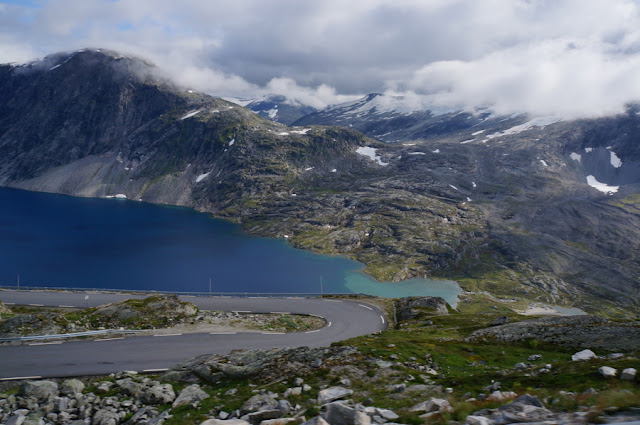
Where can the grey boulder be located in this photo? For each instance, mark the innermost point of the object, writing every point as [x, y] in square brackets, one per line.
[42, 391]
[333, 393]
[190, 395]
[158, 394]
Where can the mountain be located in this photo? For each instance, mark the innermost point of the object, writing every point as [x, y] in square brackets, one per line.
[522, 207]
[276, 108]
[396, 118]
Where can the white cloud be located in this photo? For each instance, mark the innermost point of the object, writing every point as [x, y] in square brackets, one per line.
[568, 57]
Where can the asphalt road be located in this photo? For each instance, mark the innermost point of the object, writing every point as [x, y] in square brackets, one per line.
[345, 319]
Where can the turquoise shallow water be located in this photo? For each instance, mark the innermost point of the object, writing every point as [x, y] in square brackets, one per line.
[61, 241]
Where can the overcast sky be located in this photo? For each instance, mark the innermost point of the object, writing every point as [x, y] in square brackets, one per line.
[563, 57]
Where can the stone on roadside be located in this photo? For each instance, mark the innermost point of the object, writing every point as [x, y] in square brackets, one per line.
[189, 396]
[15, 420]
[105, 417]
[71, 387]
[583, 355]
[333, 393]
[42, 391]
[129, 387]
[607, 372]
[158, 394]
[629, 374]
[104, 387]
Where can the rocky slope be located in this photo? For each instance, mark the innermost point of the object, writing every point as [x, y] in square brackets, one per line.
[413, 374]
[538, 208]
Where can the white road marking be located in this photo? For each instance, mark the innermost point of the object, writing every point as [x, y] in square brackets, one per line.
[315, 315]
[17, 378]
[279, 312]
[46, 343]
[241, 311]
[272, 333]
[222, 333]
[168, 335]
[186, 296]
[334, 301]
[37, 305]
[66, 306]
[365, 306]
[329, 325]
[108, 339]
[310, 332]
[382, 318]
[156, 370]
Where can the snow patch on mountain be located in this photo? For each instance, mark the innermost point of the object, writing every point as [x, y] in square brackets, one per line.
[602, 187]
[371, 153]
[190, 114]
[202, 177]
[535, 122]
[615, 161]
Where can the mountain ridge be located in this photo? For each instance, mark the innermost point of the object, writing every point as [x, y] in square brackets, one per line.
[504, 206]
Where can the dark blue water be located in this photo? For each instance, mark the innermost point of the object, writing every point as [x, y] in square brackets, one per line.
[61, 241]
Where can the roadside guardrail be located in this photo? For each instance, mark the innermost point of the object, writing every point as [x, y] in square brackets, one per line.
[67, 335]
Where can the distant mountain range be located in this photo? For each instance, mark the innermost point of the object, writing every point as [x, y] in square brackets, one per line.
[524, 207]
[276, 108]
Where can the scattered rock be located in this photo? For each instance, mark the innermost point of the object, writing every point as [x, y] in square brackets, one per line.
[339, 414]
[433, 405]
[158, 394]
[500, 321]
[477, 420]
[15, 420]
[71, 387]
[262, 415]
[318, 420]
[331, 394]
[607, 372]
[224, 422]
[42, 391]
[411, 307]
[105, 417]
[521, 366]
[259, 402]
[628, 374]
[583, 355]
[534, 357]
[190, 395]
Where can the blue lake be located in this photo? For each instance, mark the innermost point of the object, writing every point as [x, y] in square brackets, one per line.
[61, 241]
